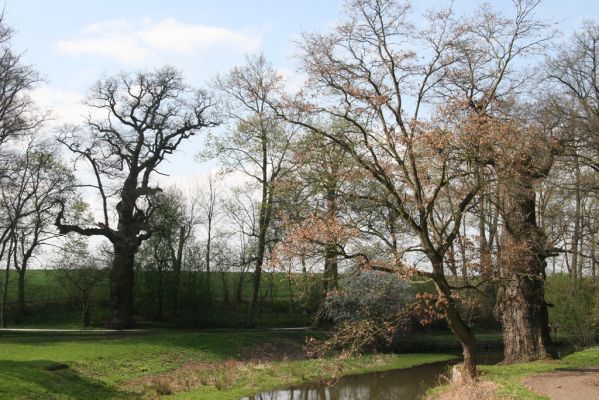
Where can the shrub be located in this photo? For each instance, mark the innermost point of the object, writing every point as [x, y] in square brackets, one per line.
[369, 295]
[574, 309]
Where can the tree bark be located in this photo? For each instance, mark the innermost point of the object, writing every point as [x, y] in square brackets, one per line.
[121, 286]
[521, 308]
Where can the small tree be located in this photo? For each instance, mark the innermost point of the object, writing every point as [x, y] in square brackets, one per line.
[29, 191]
[257, 144]
[80, 271]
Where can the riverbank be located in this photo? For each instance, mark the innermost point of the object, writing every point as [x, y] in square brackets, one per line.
[522, 381]
[178, 364]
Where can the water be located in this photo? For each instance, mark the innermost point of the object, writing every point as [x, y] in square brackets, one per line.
[390, 385]
[401, 384]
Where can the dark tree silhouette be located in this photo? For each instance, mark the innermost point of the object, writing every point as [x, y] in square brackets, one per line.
[146, 117]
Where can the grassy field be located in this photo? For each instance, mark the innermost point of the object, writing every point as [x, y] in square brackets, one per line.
[183, 364]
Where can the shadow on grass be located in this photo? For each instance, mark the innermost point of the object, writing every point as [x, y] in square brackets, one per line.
[43, 379]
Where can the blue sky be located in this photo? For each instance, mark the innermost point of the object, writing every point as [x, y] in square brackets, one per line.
[72, 43]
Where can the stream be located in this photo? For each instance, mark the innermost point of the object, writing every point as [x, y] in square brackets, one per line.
[409, 384]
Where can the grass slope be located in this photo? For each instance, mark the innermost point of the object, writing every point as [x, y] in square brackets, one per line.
[187, 364]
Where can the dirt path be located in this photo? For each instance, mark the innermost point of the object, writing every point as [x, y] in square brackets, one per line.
[567, 384]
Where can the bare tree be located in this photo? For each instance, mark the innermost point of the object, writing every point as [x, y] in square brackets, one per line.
[17, 111]
[385, 79]
[512, 149]
[147, 116]
[29, 193]
[208, 203]
[257, 144]
[82, 271]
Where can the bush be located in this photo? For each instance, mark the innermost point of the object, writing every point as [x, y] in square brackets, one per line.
[368, 311]
[574, 311]
[369, 295]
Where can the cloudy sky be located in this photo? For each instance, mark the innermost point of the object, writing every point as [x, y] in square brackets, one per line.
[73, 42]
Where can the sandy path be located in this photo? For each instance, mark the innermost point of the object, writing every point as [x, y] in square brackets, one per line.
[567, 384]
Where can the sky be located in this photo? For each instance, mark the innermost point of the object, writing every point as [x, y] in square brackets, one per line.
[72, 43]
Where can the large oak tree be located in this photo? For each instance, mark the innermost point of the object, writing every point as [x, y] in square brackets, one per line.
[142, 119]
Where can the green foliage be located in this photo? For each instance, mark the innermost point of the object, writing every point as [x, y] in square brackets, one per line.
[575, 308]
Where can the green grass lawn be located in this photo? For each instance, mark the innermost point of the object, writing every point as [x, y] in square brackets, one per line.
[184, 364]
[509, 377]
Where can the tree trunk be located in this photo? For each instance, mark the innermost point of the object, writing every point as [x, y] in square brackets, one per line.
[160, 304]
[21, 293]
[593, 257]
[85, 307]
[226, 296]
[177, 264]
[239, 288]
[251, 318]
[330, 251]
[121, 287]
[456, 324]
[576, 268]
[208, 257]
[5, 292]
[522, 312]
[264, 221]
[521, 308]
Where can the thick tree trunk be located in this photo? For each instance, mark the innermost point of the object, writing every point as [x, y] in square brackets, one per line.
[522, 312]
[121, 287]
[521, 308]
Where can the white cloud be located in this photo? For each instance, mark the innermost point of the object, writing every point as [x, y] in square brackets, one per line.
[65, 106]
[130, 43]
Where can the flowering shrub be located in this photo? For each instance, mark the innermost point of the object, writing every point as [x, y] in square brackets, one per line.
[369, 295]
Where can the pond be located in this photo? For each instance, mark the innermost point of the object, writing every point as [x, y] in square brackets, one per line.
[398, 384]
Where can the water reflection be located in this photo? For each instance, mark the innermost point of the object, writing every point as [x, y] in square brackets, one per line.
[390, 385]
[400, 384]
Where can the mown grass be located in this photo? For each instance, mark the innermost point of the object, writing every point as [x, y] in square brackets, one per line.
[214, 365]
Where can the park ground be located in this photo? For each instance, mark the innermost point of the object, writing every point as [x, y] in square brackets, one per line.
[575, 376]
[207, 365]
[181, 364]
